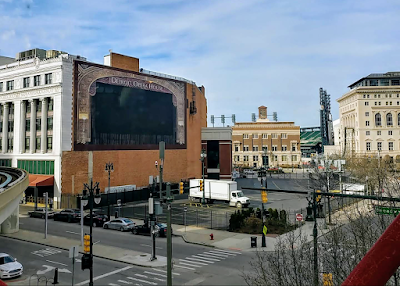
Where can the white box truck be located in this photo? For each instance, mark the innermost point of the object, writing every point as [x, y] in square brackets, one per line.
[217, 190]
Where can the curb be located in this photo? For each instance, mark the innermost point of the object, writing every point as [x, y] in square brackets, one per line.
[192, 242]
[97, 256]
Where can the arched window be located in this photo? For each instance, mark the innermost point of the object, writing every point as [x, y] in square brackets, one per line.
[378, 119]
[389, 119]
[398, 119]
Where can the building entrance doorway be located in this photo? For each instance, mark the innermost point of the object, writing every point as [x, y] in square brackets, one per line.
[265, 160]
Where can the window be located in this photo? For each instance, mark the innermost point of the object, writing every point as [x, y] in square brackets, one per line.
[378, 119]
[284, 158]
[255, 148]
[50, 127]
[11, 126]
[38, 143]
[294, 158]
[274, 135]
[37, 167]
[255, 136]
[26, 82]
[379, 133]
[284, 135]
[265, 136]
[376, 103]
[367, 95]
[389, 119]
[284, 148]
[379, 96]
[51, 103]
[390, 132]
[367, 132]
[367, 113]
[255, 158]
[294, 146]
[38, 124]
[395, 82]
[265, 148]
[379, 146]
[36, 80]
[1, 86]
[10, 85]
[379, 103]
[236, 145]
[390, 146]
[245, 148]
[49, 143]
[366, 103]
[246, 158]
[27, 143]
[27, 125]
[28, 107]
[374, 95]
[245, 136]
[274, 148]
[39, 106]
[275, 158]
[10, 144]
[364, 96]
[368, 146]
[47, 78]
[236, 158]
[398, 119]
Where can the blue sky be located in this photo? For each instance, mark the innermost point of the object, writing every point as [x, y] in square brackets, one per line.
[246, 53]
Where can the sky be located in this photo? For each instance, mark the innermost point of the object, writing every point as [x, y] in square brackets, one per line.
[246, 53]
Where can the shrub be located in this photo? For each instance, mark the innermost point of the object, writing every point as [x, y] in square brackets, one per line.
[252, 225]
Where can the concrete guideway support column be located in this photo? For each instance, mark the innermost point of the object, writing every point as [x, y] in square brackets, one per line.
[11, 223]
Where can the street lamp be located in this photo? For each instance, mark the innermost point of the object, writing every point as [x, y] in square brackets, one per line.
[92, 198]
[203, 156]
[109, 168]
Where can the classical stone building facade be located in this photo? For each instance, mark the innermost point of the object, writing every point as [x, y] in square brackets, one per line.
[266, 143]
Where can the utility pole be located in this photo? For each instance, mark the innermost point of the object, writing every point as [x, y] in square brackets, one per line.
[46, 214]
[203, 156]
[109, 168]
[161, 147]
[152, 223]
[315, 237]
[169, 237]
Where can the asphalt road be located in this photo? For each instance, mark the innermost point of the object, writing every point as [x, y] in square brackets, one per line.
[39, 263]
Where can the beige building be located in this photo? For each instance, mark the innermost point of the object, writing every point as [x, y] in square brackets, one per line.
[265, 143]
[370, 116]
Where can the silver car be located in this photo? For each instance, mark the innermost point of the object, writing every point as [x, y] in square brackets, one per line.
[9, 267]
[121, 224]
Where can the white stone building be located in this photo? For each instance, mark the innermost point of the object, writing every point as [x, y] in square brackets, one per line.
[370, 116]
[36, 114]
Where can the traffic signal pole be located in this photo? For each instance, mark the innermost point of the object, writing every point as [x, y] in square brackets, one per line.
[169, 237]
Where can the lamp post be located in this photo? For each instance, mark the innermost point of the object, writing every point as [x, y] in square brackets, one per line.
[109, 168]
[91, 198]
[203, 156]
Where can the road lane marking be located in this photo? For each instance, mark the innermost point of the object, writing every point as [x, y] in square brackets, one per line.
[112, 284]
[216, 252]
[57, 263]
[72, 232]
[227, 251]
[201, 260]
[96, 242]
[156, 274]
[158, 279]
[105, 275]
[123, 281]
[141, 275]
[211, 259]
[194, 263]
[144, 281]
[276, 185]
[46, 252]
[179, 266]
[163, 271]
[212, 255]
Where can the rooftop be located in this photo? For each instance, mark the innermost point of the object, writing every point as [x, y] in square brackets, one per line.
[376, 76]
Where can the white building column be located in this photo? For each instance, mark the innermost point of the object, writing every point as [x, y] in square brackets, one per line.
[33, 126]
[5, 127]
[43, 143]
[22, 124]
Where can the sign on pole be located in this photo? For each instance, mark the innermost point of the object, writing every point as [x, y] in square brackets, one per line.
[73, 251]
[299, 217]
[119, 202]
[265, 230]
[185, 209]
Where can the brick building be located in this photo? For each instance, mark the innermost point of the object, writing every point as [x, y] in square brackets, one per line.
[266, 143]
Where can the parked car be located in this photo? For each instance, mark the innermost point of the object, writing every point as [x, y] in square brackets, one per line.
[121, 224]
[69, 215]
[9, 267]
[161, 229]
[98, 219]
[41, 213]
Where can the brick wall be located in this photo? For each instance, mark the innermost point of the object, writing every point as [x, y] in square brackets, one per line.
[124, 62]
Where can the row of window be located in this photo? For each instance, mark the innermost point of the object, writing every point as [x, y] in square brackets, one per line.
[284, 158]
[48, 79]
[379, 96]
[38, 143]
[379, 146]
[39, 124]
[37, 167]
[38, 105]
[379, 103]
[378, 119]
[265, 148]
[390, 132]
[265, 136]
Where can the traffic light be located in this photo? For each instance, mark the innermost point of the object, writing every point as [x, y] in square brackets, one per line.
[264, 198]
[86, 261]
[181, 188]
[201, 186]
[327, 279]
[318, 197]
[86, 243]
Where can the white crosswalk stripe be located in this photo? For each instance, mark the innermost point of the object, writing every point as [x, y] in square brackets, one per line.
[201, 260]
[163, 271]
[141, 280]
[186, 264]
[220, 253]
[158, 279]
[112, 284]
[184, 267]
[216, 255]
[210, 259]
[141, 275]
[209, 255]
[156, 274]
[194, 262]
[125, 282]
[228, 251]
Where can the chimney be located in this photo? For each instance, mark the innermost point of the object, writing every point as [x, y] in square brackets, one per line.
[262, 112]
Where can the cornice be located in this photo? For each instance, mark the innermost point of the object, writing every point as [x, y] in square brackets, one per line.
[370, 89]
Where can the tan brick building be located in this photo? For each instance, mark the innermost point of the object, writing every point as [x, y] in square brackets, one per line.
[265, 143]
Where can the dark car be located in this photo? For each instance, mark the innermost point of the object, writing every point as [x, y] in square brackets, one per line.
[69, 215]
[41, 213]
[98, 219]
[160, 228]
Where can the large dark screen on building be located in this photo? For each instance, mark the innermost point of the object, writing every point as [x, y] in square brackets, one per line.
[130, 116]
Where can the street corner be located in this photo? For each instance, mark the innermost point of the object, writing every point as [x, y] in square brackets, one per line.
[145, 260]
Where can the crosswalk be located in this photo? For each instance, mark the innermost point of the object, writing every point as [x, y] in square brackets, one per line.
[155, 276]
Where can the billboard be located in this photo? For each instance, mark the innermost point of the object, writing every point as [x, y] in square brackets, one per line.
[116, 109]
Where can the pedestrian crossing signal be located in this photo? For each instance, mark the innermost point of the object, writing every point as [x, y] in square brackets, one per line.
[181, 188]
[201, 186]
[264, 198]
[86, 243]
